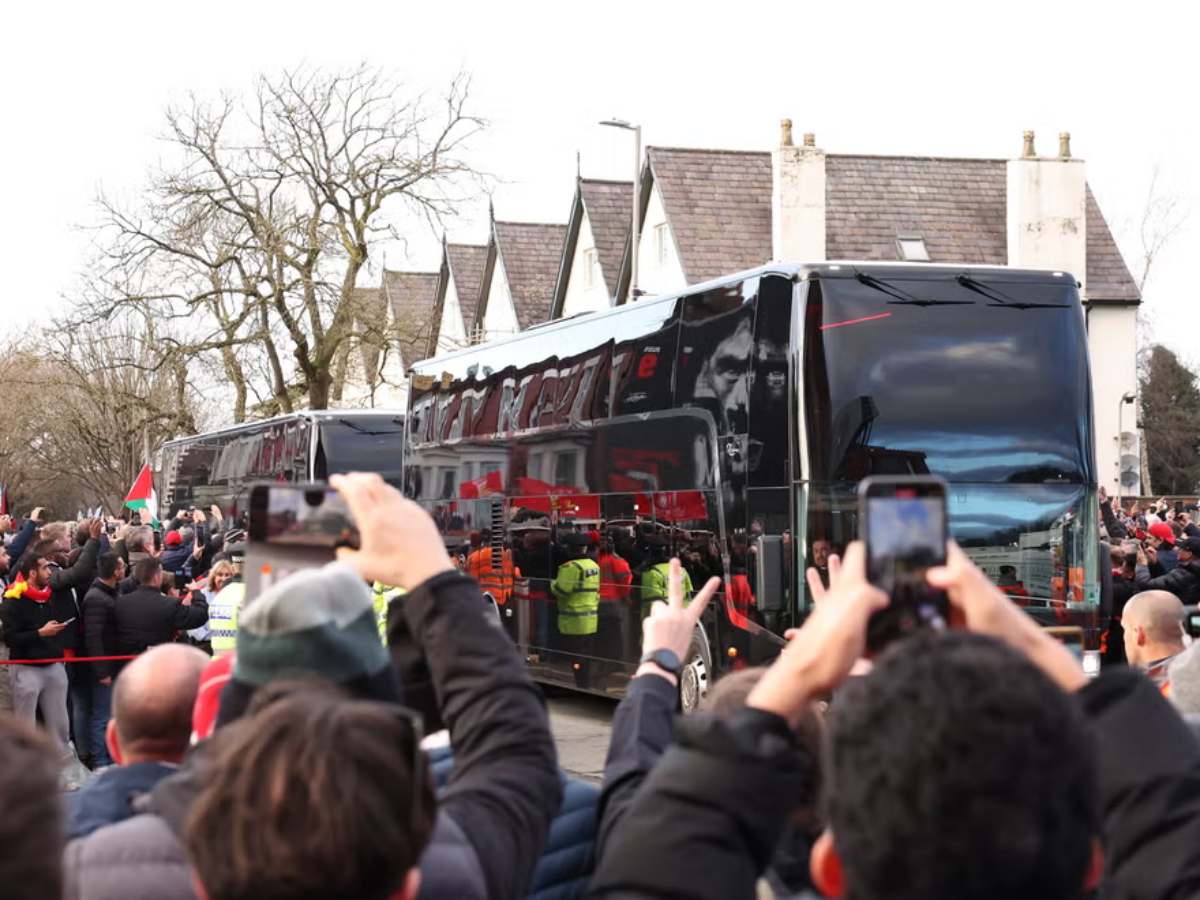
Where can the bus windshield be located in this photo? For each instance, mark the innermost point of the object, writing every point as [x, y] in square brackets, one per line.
[983, 381]
[361, 443]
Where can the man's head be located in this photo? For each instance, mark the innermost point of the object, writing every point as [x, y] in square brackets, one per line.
[172, 539]
[59, 533]
[958, 769]
[31, 827]
[821, 549]
[576, 544]
[1189, 550]
[147, 572]
[110, 568]
[1153, 623]
[35, 570]
[152, 705]
[313, 796]
[140, 539]
[1162, 535]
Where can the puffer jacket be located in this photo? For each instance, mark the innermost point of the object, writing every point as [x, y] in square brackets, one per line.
[1183, 581]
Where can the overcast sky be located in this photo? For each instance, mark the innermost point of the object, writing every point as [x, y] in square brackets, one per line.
[85, 87]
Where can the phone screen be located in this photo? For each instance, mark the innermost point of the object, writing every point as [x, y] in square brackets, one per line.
[293, 527]
[903, 521]
[301, 516]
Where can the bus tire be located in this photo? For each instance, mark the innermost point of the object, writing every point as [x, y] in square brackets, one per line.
[697, 672]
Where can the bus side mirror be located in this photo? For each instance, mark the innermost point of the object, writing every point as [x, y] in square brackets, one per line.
[768, 569]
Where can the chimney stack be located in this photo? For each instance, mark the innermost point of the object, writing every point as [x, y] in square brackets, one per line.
[1047, 210]
[798, 199]
[785, 133]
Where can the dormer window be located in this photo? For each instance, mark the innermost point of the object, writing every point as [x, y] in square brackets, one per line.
[912, 248]
[590, 268]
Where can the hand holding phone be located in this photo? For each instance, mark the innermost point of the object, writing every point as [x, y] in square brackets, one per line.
[903, 523]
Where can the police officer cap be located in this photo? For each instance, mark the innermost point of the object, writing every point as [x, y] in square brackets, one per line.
[576, 539]
[655, 540]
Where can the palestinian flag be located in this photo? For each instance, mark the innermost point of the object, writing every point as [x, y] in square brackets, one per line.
[142, 497]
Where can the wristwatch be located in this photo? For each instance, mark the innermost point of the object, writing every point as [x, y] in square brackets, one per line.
[664, 659]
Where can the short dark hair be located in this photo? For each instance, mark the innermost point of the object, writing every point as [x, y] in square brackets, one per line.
[31, 831]
[145, 569]
[28, 562]
[344, 827]
[959, 769]
[107, 565]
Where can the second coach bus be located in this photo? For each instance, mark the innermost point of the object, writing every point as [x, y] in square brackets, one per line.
[219, 466]
[731, 424]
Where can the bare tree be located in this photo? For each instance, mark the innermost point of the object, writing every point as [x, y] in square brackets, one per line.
[250, 245]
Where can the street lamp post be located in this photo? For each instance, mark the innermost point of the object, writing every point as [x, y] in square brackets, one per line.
[635, 227]
[1127, 398]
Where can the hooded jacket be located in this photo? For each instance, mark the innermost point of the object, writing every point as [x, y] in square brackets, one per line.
[100, 626]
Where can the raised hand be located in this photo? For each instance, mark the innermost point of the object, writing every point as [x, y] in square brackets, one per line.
[670, 625]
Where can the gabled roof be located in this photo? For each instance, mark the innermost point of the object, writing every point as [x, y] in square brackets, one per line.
[413, 296]
[531, 253]
[606, 204]
[718, 204]
[466, 263]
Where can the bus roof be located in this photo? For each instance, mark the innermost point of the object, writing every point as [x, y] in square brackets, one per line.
[314, 415]
[795, 271]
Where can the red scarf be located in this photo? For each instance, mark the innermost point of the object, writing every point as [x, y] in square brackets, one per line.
[22, 588]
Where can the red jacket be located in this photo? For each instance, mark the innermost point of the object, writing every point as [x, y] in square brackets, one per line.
[616, 578]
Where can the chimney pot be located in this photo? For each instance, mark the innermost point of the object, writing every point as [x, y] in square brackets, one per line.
[1027, 151]
[1064, 145]
[810, 139]
[785, 133]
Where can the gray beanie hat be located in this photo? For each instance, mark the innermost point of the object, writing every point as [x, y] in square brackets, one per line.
[316, 620]
[1184, 674]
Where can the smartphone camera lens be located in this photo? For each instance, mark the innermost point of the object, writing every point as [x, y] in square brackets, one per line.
[314, 498]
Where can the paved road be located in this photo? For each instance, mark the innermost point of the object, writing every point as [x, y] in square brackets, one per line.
[581, 724]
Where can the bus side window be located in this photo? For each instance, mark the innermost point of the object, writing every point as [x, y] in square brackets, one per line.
[770, 446]
[715, 348]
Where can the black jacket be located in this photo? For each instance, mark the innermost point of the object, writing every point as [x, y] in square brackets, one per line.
[147, 617]
[100, 626]
[1183, 581]
[63, 602]
[704, 823]
[108, 798]
[22, 618]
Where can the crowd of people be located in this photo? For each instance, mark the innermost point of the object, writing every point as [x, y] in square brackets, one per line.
[976, 762]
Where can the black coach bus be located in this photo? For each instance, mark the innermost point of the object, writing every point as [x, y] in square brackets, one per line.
[734, 422]
[219, 466]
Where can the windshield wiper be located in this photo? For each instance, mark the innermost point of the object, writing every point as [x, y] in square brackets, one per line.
[999, 298]
[367, 431]
[902, 297]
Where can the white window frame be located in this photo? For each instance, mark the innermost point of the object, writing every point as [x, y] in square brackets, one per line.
[660, 243]
[590, 267]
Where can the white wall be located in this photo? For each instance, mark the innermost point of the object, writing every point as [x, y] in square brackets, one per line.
[452, 333]
[655, 277]
[500, 317]
[580, 297]
[1112, 340]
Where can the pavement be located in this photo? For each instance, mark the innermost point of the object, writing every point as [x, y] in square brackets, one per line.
[581, 724]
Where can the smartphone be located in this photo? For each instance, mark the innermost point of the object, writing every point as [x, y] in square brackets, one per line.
[903, 522]
[68, 622]
[293, 527]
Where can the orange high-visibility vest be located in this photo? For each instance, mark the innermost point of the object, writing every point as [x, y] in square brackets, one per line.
[497, 582]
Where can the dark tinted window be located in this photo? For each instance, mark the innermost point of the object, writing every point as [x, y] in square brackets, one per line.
[968, 387]
[351, 443]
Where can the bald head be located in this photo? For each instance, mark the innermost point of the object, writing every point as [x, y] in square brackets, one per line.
[1153, 623]
[152, 704]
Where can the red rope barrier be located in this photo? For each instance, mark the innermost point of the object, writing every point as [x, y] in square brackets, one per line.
[64, 659]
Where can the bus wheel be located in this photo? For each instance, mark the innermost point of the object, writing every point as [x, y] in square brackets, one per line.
[694, 677]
